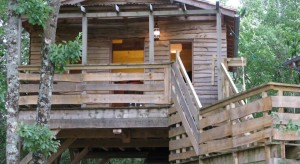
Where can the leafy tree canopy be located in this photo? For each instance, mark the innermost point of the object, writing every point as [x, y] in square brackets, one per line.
[37, 11]
[269, 35]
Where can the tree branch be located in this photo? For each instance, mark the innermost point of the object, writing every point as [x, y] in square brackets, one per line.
[2, 59]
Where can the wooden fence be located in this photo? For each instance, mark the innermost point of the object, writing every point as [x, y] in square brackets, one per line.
[96, 84]
[223, 128]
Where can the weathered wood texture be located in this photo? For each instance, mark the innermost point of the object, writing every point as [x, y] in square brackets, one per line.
[68, 87]
[222, 123]
[183, 117]
[180, 145]
[201, 33]
[104, 118]
[254, 155]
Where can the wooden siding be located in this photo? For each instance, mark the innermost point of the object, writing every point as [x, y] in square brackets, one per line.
[201, 33]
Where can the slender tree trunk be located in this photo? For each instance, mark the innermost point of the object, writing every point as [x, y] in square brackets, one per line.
[47, 73]
[12, 101]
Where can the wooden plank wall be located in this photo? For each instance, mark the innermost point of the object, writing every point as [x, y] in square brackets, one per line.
[35, 48]
[201, 33]
[254, 155]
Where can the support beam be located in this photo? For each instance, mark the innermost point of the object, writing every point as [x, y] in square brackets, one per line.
[80, 156]
[100, 143]
[151, 39]
[107, 123]
[219, 54]
[107, 133]
[26, 159]
[61, 149]
[137, 14]
[114, 154]
[84, 38]
[205, 5]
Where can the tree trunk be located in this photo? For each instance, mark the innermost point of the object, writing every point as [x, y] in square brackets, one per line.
[46, 73]
[12, 101]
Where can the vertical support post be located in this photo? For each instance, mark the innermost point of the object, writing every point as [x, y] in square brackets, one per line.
[219, 52]
[235, 158]
[84, 38]
[267, 147]
[84, 46]
[167, 84]
[19, 40]
[151, 38]
[282, 143]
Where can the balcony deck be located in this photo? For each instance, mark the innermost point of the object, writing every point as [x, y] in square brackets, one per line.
[89, 104]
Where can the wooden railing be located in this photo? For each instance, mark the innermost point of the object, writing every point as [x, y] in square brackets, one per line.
[229, 88]
[186, 102]
[223, 132]
[95, 84]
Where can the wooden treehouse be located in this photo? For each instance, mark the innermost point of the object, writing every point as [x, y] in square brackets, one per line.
[169, 99]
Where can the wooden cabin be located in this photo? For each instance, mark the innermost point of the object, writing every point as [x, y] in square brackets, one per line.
[168, 99]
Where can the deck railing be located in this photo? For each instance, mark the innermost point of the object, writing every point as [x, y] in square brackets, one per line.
[222, 130]
[98, 84]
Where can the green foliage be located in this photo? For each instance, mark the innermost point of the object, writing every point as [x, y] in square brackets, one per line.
[67, 52]
[127, 161]
[36, 10]
[290, 126]
[38, 138]
[269, 35]
[3, 16]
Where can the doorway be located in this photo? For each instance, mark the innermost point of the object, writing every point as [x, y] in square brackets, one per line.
[186, 55]
[127, 51]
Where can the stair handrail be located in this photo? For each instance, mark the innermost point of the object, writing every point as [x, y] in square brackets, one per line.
[231, 83]
[188, 81]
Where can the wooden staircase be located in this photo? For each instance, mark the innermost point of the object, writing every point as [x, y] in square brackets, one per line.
[230, 130]
[183, 117]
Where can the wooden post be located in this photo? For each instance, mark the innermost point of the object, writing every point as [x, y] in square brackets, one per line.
[84, 38]
[84, 47]
[282, 143]
[267, 147]
[19, 40]
[61, 149]
[177, 138]
[167, 84]
[219, 53]
[80, 156]
[235, 157]
[267, 152]
[26, 159]
[151, 38]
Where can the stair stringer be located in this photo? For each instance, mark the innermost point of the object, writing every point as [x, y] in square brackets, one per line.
[180, 146]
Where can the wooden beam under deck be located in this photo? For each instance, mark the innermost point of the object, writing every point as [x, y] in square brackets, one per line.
[108, 133]
[108, 123]
[117, 143]
[103, 118]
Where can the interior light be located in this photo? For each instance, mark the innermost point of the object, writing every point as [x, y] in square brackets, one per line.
[175, 47]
